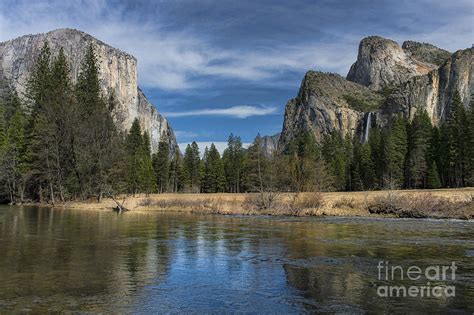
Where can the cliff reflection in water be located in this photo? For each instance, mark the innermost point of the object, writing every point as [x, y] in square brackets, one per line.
[70, 260]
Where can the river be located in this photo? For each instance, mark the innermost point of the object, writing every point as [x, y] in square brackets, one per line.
[146, 262]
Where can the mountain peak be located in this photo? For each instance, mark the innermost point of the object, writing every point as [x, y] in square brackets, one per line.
[383, 63]
[118, 74]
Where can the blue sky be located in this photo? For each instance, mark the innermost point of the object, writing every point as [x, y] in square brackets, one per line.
[214, 66]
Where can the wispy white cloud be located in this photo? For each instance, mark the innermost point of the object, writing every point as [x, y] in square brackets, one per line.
[189, 58]
[220, 146]
[170, 60]
[243, 111]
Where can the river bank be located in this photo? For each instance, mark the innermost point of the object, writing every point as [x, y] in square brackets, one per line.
[439, 203]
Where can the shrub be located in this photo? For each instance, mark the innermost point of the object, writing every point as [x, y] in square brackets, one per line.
[305, 203]
[345, 202]
[262, 201]
[422, 206]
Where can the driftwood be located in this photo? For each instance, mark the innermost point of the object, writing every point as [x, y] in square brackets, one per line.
[120, 207]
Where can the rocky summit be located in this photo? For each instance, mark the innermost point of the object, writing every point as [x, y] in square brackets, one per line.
[386, 80]
[118, 74]
[383, 63]
[327, 102]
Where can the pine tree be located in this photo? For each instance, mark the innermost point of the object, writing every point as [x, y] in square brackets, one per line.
[192, 167]
[41, 132]
[363, 167]
[469, 143]
[233, 163]
[307, 170]
[454, 142]
[436, 155]
[147, 177]
[39, 83]
[336, 157]
[214, 177]
[441, 154]
[161, 165]
[395, 149]
[134, 144]
[96, 138]
[432, 177]
[419, 133]
[177, 175]
[254, 167]
[14, 158]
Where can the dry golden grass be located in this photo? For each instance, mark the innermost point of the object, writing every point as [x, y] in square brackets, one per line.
[304, 204]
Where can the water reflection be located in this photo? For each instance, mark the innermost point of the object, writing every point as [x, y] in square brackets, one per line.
[60, 260]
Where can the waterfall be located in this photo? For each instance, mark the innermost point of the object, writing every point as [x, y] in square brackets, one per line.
[367, 127]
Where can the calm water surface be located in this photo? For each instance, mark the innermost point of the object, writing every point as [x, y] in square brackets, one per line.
[87, 261]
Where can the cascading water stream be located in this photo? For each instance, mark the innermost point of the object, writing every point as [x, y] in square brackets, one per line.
[367, 127]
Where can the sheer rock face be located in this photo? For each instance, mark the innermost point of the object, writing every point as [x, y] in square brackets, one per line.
[322, 106]
[118, 75]
[433, 91]
[386, 80]
[270, 144]
[382, 63]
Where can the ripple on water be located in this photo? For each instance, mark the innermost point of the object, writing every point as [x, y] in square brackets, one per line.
[89, 262]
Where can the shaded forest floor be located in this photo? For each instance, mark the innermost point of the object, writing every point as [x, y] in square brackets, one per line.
[439, 203]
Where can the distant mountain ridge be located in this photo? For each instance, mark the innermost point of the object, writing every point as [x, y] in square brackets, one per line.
[118, 74]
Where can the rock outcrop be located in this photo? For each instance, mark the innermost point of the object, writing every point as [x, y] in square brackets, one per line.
[270, 144]
[385, 80]
[327, 102]
[383, 63]
[426, 52]
[433, 92]
[118, 74]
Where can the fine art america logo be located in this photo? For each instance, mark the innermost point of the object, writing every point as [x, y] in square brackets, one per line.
[433, 278]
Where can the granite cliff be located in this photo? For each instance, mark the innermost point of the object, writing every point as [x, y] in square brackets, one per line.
[270, 144]
[385, 80]
[382, 63]
[433, 91]
[327, 102]
[118, 74]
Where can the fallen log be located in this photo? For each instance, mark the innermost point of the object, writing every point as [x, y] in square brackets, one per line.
[119, 207]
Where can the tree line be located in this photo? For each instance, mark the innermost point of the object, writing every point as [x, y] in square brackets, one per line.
[410, 154]
[64, 141]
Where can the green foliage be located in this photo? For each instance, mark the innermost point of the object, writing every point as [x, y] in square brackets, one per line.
[337, 152]
[360, 104]
[386, 91]
[140, 173]
[192, 168]
[176, 173]
[306, 169]
[96, 138]
[394, 152]
[469, 144]
[13, 154]
[363, 174]
[419, 133]
[233, 163]
[161, 165]
[214, 177]
[432, 177]
[455, 142]
[66, 146]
